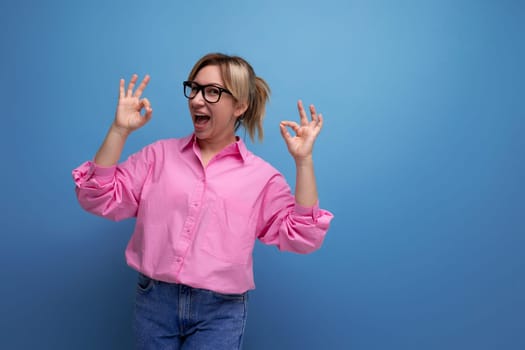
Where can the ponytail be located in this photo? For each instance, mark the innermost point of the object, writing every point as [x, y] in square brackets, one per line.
[252, 120]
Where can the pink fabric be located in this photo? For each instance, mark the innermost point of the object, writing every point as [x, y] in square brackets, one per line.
[197, 226]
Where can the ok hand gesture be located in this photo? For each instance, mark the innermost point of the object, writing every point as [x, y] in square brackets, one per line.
[128, 116]
[301, 145]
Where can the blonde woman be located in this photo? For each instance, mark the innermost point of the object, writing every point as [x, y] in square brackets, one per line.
[200, 203]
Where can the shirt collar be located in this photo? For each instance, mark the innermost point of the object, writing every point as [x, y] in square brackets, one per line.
[238, 148]
[187, 142]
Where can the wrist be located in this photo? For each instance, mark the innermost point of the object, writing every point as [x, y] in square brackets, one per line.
[119, 130]
[306, 161]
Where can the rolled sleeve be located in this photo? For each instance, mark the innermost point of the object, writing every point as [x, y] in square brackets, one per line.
[89, 171]
[111, 192]
[289, 225]
[312, 211]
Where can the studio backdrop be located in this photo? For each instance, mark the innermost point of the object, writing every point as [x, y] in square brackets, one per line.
[420, 160]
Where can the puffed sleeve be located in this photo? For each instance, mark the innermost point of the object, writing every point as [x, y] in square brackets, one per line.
[286, 224]
[113, 192]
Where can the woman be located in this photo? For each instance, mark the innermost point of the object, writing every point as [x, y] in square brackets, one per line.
[201, 202]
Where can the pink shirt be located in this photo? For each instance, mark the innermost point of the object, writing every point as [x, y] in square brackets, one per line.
[197, 226]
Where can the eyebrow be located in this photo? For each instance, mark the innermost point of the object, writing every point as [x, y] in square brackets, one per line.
[210, 84]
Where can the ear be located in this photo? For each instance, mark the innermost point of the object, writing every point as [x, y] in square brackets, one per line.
[240, 108]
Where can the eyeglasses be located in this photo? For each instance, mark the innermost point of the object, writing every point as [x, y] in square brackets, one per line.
[210, 93]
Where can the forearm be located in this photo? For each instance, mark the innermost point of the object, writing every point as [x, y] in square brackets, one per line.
[111, 149]
[305, 185]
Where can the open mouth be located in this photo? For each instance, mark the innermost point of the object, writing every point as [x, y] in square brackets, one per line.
[201, 119]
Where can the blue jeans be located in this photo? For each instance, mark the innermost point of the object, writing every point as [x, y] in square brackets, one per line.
[175, 316]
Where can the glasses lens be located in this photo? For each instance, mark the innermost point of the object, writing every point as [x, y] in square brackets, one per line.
[189, 91]
[212, 94]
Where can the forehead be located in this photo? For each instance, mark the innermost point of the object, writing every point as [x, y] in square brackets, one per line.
[209, 75]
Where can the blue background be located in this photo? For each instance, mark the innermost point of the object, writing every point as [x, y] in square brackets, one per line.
[420, 159]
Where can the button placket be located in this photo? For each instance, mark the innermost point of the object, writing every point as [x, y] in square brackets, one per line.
[188, 229]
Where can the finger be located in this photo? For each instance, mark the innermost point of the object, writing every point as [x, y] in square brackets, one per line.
[121, 88]
[148, 114]
[313, 113]
[131, 85]
[144, 103]
[142, 86]
[320, 122]
[284, 132]
[302, 113]
[293, 125]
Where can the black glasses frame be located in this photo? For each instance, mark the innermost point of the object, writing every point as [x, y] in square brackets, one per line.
[193, 85]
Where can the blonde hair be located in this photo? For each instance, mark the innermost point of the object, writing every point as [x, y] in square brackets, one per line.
[246, 88]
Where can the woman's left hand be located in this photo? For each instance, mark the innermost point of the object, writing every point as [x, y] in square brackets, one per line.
[301, 145]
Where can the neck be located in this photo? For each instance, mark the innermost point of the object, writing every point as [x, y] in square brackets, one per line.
[210, 147]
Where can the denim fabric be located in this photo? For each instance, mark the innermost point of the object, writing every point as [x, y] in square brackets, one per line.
[174, 316]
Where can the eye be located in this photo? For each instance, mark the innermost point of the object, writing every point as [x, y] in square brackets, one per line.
[212, 91]
[194, 88]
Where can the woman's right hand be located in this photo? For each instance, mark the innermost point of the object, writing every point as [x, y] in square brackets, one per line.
[128, 117]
